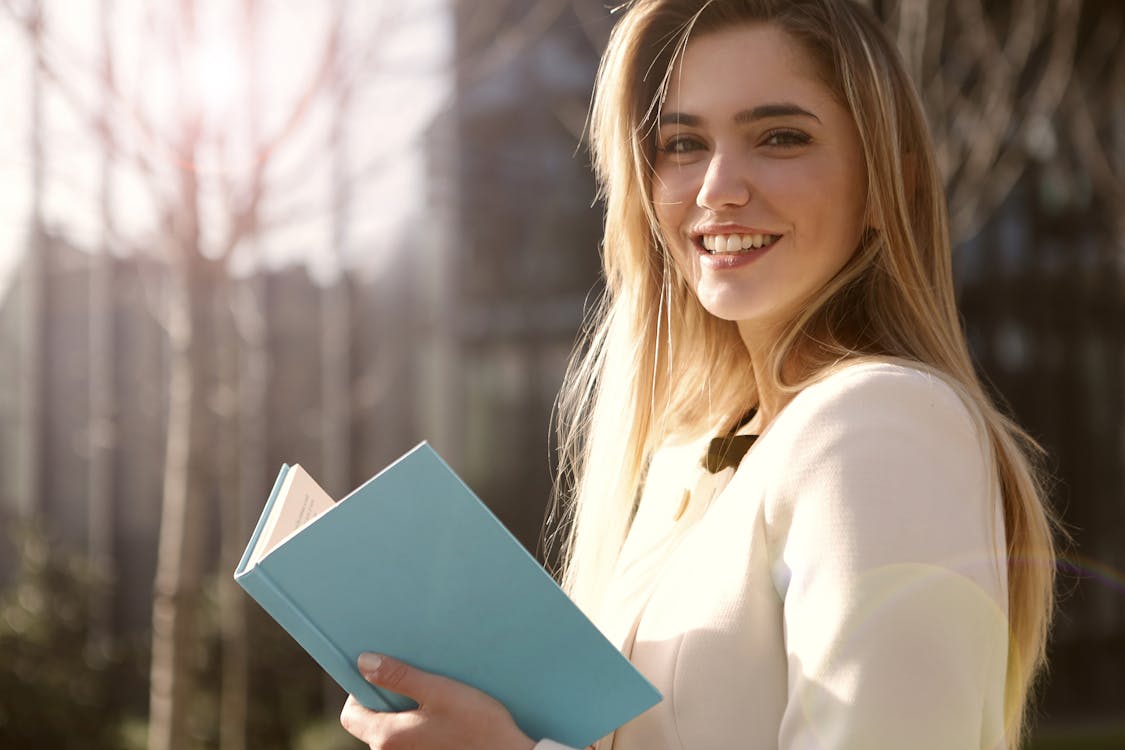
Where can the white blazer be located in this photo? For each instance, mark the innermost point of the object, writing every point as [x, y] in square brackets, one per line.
[843, 589]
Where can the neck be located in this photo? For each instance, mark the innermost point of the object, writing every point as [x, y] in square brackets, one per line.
[758, 339]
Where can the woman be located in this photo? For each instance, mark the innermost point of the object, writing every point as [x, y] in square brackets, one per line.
[794, 507]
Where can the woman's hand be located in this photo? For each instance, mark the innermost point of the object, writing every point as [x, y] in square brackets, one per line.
[450, 714]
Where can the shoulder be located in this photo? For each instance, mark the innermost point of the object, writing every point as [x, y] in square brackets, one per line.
[882, 445]
[879, 429]
[880, 399]
[888, 383]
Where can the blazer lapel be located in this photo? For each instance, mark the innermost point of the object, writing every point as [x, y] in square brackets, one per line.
[682, 482]
[634, 581]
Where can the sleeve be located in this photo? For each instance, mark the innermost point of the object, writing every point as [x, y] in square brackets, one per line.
[889, 545]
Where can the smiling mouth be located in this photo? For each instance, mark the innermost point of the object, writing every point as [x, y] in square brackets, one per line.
[735, 244]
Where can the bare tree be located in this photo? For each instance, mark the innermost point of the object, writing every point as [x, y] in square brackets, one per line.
[166, 156]
[989, 81]
[187, 468]
[1095, 122]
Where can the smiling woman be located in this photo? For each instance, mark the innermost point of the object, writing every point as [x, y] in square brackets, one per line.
[789, 500]
[759, 183]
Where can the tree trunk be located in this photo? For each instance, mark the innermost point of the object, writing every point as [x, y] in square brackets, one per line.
[245, 477]
[187, 467]
[335, 324]
[176, 592]
[334, 306]
[101, 427]
[233, 531]
[30, 429]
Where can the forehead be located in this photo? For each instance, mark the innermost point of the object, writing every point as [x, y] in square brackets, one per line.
[738, 65]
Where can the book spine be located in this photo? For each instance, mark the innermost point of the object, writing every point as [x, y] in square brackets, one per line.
[260, 584]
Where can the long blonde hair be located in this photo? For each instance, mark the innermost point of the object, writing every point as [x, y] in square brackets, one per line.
[652, 362]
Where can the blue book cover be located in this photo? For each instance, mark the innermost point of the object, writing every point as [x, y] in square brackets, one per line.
[413, 565]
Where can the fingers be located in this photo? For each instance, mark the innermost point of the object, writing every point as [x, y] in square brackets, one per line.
[425, 688]
[358, 720]
[450, 715]
[381, 730]
[374, 727]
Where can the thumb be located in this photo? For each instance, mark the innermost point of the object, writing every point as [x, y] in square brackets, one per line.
[423, 687]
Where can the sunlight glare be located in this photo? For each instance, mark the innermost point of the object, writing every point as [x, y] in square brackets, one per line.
[219, 76]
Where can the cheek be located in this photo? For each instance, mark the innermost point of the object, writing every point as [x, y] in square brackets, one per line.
[671, 203]
[824, 201]
[673, 194]
[846, 214]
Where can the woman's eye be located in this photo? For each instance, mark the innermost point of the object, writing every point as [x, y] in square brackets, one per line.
[679, 145]
[786, 138]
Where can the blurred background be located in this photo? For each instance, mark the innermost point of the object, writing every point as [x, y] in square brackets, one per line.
[234, 234]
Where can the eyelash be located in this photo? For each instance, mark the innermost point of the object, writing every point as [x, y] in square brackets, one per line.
[674, 145]
[788, 139]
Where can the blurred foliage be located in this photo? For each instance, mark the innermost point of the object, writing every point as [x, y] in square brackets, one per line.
[287, 699]
[290, 696]
[1084, 738]
[56, 689]
[326, 734]
[57, 692]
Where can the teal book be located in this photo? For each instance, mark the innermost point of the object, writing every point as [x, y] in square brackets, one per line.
[413, 565]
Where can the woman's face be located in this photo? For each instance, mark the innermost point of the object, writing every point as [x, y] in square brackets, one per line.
[759, 184]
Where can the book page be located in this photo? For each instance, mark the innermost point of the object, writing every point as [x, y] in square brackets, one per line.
[298, 502]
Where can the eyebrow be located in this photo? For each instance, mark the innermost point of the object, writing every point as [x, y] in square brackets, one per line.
[761, 112]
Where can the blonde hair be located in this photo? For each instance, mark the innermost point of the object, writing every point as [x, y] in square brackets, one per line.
[654, 362]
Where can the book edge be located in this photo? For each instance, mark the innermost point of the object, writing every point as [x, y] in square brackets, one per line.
[261, 521]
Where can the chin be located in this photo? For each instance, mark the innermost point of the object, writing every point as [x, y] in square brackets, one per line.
[733, 310]
[742, 312]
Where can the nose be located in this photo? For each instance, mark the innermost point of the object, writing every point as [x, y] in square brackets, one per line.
[726, 184]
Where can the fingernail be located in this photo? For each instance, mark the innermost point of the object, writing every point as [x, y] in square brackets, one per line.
[369, 663]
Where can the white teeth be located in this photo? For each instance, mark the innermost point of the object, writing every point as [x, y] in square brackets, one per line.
[734, 243]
